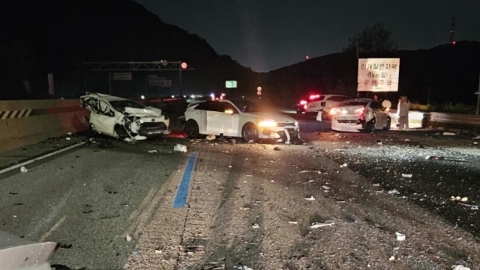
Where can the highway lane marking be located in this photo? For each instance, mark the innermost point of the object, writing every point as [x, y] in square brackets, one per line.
[54, 228]
[182, 192]
[16, 166]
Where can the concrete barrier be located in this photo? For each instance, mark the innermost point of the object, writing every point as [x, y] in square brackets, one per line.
[25, 122]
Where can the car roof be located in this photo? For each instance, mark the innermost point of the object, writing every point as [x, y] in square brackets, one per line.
[105, 96]
[358, 99]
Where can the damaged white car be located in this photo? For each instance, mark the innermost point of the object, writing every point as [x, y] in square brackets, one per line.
[239, 118]
[123, 118]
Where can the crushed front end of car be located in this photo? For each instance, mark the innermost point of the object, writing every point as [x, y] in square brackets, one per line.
[129, 124]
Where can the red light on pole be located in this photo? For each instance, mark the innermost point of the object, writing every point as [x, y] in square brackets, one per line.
[184, 65]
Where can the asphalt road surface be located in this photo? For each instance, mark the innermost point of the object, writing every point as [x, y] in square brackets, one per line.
[110, 204]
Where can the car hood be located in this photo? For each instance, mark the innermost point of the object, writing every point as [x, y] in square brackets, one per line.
[277, 117]
[146, 112]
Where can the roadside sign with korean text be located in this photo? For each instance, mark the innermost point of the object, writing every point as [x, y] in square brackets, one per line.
[378, 74]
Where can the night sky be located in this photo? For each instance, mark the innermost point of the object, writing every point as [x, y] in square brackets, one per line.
[269, 34]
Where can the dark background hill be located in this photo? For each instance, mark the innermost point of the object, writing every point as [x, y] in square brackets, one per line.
[449, 73]
[55, 36]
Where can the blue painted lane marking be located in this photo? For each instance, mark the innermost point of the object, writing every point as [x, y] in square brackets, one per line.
[182, 191]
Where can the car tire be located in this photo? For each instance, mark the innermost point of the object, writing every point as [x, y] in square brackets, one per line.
[389, 124]
[370, 126]
[192, 129]
[250, 132]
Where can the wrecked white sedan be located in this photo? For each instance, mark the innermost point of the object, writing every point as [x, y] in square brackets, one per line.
[239, 118]
[123, 118]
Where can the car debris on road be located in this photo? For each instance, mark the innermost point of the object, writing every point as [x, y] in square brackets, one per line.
[180, 148]
[320, 225]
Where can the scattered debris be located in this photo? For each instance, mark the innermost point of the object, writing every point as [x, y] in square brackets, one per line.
[458, 198]
[180, 148]
[13, 193]
[158, 251]
[407, 140]
[23, 169]
[87, 211]
[255, 226]
[242, 267]
[319, 225]
[407, 175]
[325, 187]
[66, 246]
[277, 149]
[292, 222]
[311, 198]
[211, 137]
[376, 184]
[233, 141]
[435, 157]
[135, 252]
[68, 138]
[393, 191]
[473, 207]
[400, 237]
[449, 134]
[392, 258]
[128, 238]
[343, 165]
[152, 151]
[17, 204]
[379, 142]
[69, 133]
[460, 267]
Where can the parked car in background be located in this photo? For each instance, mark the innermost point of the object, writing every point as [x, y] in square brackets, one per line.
[123, 118]
[319, 103]
[239, 118]
[361, 114]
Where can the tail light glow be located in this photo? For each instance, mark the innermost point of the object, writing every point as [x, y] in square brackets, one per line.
[303, 102]
[312, 97]
[334, 111]
[359, 111]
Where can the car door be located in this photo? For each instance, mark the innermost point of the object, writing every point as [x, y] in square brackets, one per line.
[225, 120]
[102, 117]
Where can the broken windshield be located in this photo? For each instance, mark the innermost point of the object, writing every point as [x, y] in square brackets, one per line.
[120, 105]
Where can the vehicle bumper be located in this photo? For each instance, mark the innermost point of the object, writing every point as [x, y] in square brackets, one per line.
[154, 126]
[283, 133]
[349, 125]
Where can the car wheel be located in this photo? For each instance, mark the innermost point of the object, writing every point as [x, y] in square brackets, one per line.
[389, 124]
[250, 132]
[192, 129]
[369, 126]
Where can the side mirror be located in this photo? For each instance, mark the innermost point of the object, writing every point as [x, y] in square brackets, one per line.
[229, 111]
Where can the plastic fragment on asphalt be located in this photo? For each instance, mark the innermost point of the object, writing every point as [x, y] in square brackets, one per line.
[311, 198]
[128, 238]
[325, 187]
[292, 222]
[407, 175]
[211, 137]
[376, 185]
[393, 191]
[343, 165]
[68, 138]
[180, 148]
[152, 151]
[458, 198]
[449, 134]
[23, 169]
[392, 258]
[320, 225]
[255, 226]
[400, 237]
[158, 251]
[135, 252]
[242, 267]
[460, 267]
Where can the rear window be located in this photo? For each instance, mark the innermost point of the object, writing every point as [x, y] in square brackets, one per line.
[353, 103]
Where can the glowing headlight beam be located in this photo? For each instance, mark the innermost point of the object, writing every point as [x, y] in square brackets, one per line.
[267, 123]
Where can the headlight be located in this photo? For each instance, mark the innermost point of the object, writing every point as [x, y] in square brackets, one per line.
[296, 123]
[267, 123]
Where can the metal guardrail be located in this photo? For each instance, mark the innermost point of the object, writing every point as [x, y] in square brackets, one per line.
[451, 120]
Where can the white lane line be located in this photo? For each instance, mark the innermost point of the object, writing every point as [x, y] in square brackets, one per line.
[40, 158]
[54, 228]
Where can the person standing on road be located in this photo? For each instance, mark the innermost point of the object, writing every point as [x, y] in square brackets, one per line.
[403, 110]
